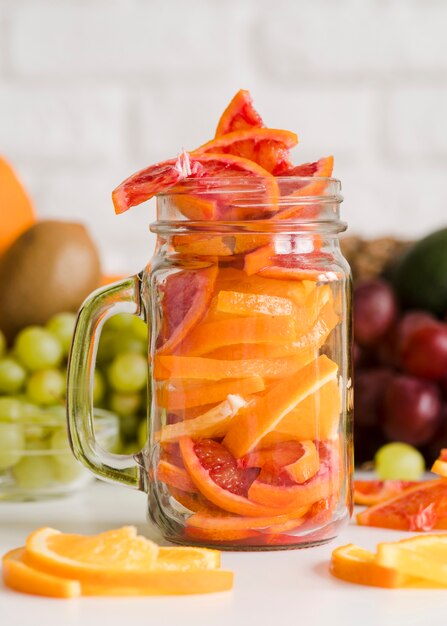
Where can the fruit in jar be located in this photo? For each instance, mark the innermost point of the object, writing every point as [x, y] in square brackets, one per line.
[419, 277]
[239, 114]
[411, 410]
[375, 310]
[52, 267]
[423, 507]
[399, 461]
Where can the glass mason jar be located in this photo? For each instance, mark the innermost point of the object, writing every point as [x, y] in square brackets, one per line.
[250, 420]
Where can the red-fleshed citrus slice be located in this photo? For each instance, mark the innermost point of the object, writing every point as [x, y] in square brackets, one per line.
[298, 461]
[185, 298]
[217, 476]
[268, 147]
[370, 492]
[239, 114]
[167, 175]
[423, 507]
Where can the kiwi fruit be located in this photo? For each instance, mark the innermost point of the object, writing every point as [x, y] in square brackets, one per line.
[51, 267]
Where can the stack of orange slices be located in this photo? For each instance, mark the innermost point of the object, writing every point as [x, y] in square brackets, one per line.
[114, 563]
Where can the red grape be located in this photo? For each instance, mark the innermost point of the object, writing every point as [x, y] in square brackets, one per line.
[411, 410]
[369, 387]
[375, 311]
[413, 320]
[424, 351]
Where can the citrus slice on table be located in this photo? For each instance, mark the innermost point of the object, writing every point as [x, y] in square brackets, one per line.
[239, 114]
[185, 297]
[268, 147]
[370, 492]
[19, 576]
[423, 557]
[357, 565]
[423, 507]
[440, 465]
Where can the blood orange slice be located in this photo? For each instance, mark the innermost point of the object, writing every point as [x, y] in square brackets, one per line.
[239, 114]
[370, 492]
[185, 298]
[268, 147]
[422, 507]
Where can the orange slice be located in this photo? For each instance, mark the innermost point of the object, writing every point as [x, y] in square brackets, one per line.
[263, 351]
[370, 492]
[19, 576]
[421, 557]
[265, 412]
[200, 368]
[226, 332]
[103, 558]
[213, 423]
[306, 466]
[356, 565]
[238, 303]
[174, 476]
[186, 394]
[440, 465]
[239, 114]
[266, 146]
[197, 245]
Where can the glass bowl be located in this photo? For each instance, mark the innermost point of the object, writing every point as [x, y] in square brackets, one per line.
[36, 461]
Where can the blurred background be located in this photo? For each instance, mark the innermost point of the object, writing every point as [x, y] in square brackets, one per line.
[92, 90]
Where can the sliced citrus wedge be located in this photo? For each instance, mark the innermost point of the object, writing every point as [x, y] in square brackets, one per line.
[440, 465]
[357, 565]
[239, 114]
[370, 492]
[237, 303]
[109, 557]
[422, 557]
[174, 476]
[187, 558]
[19, 576]
[265, 412]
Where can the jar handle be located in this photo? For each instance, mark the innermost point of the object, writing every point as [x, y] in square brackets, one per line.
[120, 297]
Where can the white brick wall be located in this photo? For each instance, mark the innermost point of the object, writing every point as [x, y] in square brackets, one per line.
[91, 90]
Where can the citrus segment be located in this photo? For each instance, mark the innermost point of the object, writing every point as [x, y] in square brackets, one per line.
[299, 461]
[356, 565]
[200, 368]
[101, 558]
[306, 465]
[266, 146]
[174, 476]
[226, 332]
[239, 114]
[185, 298]
[213, 423]
[188, 394]
[423, 507]
[239, 303]
[288, 497]
[440, 465]
[19, 576]
[370, 492]
[263, 414]
[201, 246]
[421, 557]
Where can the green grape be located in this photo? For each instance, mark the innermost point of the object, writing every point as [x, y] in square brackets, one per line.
[62, 326]
[124, 403]
[129, 427]
[35, 472]
[139, 329]
[122, 321]
[130, 448]
[66, 466]
[99, 387]
[399, 461]
[38, 349]
[2, 344]
[142, 433]
[12, 376]
[128, 372]
[46, 387]
[106, 347]
[126, 342]
[11, 409]
[12, 443]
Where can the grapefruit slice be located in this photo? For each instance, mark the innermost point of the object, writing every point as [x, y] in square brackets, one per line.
[185, 298]
[166, 176]
[268, 147]
[239, 114]
[298, 461]
[370, 492]
[265, 412]
[423, 507]
[440, 465]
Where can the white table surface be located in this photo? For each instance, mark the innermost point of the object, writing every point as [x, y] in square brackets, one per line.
[271, 588]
